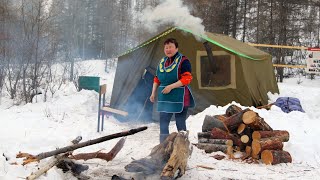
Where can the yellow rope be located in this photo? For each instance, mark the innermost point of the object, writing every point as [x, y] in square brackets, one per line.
[289, 66]
[278, 46]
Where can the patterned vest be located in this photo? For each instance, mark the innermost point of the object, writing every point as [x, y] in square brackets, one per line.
[172, 102]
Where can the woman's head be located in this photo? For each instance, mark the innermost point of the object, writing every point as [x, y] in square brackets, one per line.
[170, 47]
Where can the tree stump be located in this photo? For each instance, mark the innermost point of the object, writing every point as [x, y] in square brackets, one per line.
[178, 158]
[168, 157]
[156, 160]
[275, 157]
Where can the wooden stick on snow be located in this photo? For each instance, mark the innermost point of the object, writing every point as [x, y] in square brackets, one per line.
[30, 158]
[52, 162]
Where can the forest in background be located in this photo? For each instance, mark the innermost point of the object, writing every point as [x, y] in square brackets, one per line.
[35, 34]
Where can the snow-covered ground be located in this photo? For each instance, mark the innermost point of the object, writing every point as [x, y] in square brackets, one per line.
[45, 126]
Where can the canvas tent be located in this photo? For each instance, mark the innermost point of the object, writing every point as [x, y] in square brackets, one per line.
[244, 73]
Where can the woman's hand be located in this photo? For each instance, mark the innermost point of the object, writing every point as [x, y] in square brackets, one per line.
[152, 98]
[166, 90]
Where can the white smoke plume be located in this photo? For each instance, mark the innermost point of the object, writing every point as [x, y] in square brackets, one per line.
[170, 12]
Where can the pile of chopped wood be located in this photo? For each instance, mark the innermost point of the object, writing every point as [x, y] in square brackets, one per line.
[245, 131]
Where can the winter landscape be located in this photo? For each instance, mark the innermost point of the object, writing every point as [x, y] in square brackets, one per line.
[46, 45]
[44, 126]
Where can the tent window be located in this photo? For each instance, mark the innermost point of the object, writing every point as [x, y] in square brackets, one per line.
[225, 75]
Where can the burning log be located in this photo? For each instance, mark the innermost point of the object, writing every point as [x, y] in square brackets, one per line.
[232, 109]
[278, 134]
[255, 122]
[275, 157]
[210, 122]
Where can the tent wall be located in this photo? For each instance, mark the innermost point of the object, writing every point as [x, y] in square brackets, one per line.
[254, 78]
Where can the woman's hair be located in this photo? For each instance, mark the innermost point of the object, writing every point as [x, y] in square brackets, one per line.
[171, 40]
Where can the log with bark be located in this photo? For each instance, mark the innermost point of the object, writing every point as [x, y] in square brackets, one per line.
[255, 122]
[206, 135]
[220, 134]
[209, 148]
[216, 141]
[233, 109]
[168, 157]
[210, 122]
[32, 158]
[232, 123]
[275, 157]
[156, 160]
[178, 158]
[265, 144]
[278, 134]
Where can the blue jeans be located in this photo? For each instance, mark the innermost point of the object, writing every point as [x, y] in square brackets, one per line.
[165, 121]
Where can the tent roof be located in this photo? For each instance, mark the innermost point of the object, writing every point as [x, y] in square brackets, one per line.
[223, 41]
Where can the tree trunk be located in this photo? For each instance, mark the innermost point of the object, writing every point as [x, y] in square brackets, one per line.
[279, 134]
[210, 122]
[232, 123]
[178, 158]
[232, 109]
[275, 157]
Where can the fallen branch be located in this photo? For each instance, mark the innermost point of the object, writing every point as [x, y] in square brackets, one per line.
[52, 162]
[100, 155]
[30, 158]
[205, 167]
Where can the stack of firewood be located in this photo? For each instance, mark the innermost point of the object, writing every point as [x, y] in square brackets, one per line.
[245, 131]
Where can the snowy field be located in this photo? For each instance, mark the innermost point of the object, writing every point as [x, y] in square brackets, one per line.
[45, 126]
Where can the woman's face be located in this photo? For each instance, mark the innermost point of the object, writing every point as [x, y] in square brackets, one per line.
[170, 49]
